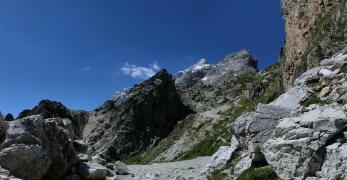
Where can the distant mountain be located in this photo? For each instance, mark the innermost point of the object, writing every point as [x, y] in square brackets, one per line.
[208, 74]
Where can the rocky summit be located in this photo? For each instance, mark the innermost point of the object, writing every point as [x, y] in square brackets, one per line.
[212, 121]
[203, 73]
[127, 126]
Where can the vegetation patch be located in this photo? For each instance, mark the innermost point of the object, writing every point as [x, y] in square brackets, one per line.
[163, 145]
[311, 100]
[206, 147]
[220, 174]
[262, 173]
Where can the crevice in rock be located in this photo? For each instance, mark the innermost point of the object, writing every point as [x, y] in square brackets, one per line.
[333, 139]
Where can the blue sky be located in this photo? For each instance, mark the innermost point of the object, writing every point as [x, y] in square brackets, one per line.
[80, 51]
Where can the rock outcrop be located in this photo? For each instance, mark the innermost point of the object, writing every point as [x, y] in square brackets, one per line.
[147, 113]
[54, 109]
[302, 133]
[37, 148]
[315, 29]
[3, 128]
[9, 117]
[297, 148]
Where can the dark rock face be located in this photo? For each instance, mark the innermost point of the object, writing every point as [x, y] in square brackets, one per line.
[148, 113]
[37, 148]
[48, 109]
[3, 128]
[54, 109]
[9, 117]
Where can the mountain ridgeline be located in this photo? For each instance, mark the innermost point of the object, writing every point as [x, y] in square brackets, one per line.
[211, 121]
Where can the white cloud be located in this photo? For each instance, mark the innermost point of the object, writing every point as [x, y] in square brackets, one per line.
[140, 72]
[87, 69]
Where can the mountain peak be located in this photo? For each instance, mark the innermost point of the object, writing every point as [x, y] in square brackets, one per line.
[202, 72]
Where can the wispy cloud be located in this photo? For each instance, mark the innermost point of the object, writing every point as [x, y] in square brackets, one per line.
[139, 71]
[87, 68]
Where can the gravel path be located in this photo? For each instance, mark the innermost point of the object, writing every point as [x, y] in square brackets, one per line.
[180, 170]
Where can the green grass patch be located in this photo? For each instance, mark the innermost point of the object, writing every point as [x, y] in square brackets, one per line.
[206, 147]
[262, 173]
[217, 175]
[311, 100]
[163, 145]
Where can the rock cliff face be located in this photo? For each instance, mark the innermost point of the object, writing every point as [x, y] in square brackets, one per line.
[143, 116]
[315, 29]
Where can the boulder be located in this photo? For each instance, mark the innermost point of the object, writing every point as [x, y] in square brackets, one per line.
[25, 161]
[92, 171]
[244, 164]
[334, 166]
[296, 147]
[220, 159]
[120, 168]
[36, 147]
[54, 109]
[256, 127]
[98, 160]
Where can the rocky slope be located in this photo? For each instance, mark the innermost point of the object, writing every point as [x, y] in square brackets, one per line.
[302, 133]
[129, 125]
[215, 104]
[204, 86]
[315, 29]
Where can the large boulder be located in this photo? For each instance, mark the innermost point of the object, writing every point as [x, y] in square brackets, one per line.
[297, 147]
[335, 166]
[25, 161]
[92, 171]
[120, 168]
[140, 119]
[254, 128]
[221, 158]
[37, 148]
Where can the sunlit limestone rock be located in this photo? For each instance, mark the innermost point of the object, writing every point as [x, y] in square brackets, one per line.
[37, 148]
